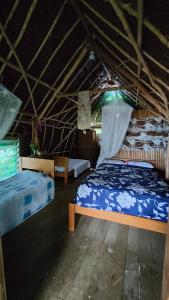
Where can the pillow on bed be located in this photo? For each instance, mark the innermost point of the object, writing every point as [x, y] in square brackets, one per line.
[59, 169]
[144, 164]
[114, 161]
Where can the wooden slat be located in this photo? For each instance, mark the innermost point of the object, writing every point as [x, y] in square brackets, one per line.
[157, 156]
[38, 164]
[125, 219]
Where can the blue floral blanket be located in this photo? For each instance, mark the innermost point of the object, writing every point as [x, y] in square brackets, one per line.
[126, 189]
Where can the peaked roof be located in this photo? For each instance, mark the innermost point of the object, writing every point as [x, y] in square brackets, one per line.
[45, 46]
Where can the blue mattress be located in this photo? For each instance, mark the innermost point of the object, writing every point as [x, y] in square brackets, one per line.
[23, 195]
[125, 189]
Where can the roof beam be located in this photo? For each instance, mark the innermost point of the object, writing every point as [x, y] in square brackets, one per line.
[19, 63]
[126, 26]
[130, 77]
[62, 72]
[19, 37]
[43, 42]
[66, 78]
[119, 49]
[163, 38]
[140, 5]
[118, 31]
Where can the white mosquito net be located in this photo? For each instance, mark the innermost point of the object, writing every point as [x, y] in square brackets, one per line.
[9, 107]
[115, 120]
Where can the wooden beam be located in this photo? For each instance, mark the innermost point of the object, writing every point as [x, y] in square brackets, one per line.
[140, 5]
[20, 65]
[117, 47]
[66, 78]
[163, 38]
[45, 39]
[12, 11]
[49, 61]
[118, 31]
[100, 90]
[126, 26]
[62, 72]
[20, 35]
[130, 77]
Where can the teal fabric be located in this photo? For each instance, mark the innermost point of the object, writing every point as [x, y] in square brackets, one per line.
[9, 158]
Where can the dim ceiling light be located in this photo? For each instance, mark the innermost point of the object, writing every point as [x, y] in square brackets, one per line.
[92, 55]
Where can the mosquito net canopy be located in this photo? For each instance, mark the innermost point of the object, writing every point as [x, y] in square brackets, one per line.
[9, 107]
[115, 121]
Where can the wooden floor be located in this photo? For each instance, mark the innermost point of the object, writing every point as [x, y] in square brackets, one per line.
[101, 260]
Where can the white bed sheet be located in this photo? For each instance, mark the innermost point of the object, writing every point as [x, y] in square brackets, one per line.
[78, 165]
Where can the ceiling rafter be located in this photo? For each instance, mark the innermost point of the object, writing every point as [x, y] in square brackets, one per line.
[48, 63]
[127, 28]
[45, 39]
[62, 72]
[117, 47]
[66, 78]
[11, 13]
[131, 11]
[22, 31]
[19, 63]
[125, 66]
[152, 100]
[118, 31]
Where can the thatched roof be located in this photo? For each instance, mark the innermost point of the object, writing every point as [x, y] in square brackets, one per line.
[44, 56]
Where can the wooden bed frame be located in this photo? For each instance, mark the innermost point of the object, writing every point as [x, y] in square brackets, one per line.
[47, 166]
[138, 222]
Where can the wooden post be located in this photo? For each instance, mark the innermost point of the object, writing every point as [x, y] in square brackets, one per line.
[2, 276]
[165, 283]
[71, 217]
[167, 163]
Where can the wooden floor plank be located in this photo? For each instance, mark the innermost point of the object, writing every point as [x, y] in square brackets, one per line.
[132, 268]
[150, 273]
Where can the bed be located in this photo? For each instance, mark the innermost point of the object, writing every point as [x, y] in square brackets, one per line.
[65, 167]
[21, 196]
[130, 195]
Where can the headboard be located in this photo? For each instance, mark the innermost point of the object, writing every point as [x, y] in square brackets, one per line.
[157, 157]
[38, 164]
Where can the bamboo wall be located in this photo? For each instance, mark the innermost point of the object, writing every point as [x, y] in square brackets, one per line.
[152, 126]
[158, 156]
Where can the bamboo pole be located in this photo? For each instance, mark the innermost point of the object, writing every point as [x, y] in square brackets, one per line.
[19, 37]
[70, 132]
[66, 78]
[127, 68]
[163, 39]
[140, 5]
[43, 42]
[12, 11]
[118, 31]
[126, 26]
[20, 65]
[49, 61]
[130, 77]
[118, 48]
[62, 72]
[59, 113]
[55, 52]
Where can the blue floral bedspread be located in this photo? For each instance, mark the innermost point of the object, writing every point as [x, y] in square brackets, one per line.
[126, 189]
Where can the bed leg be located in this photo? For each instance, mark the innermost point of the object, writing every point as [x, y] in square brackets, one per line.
[2, 276]
[65, 181]
[71, 217]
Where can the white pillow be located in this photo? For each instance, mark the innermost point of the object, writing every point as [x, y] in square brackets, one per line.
[144, 164]
[59, 169]
[114, 161]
